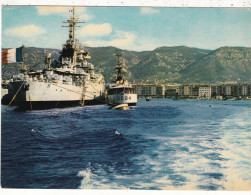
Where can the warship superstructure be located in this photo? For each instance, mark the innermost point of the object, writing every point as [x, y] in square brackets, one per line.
[72, 83]
[120, 91]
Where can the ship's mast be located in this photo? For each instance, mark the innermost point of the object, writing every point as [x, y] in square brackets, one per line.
[71, 47]
[119, 67]
[24, 67]
[72, 25]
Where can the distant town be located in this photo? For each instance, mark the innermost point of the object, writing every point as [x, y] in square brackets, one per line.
[222, 91]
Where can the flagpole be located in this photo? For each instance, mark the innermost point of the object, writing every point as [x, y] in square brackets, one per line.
[24, 65]
[23, 52]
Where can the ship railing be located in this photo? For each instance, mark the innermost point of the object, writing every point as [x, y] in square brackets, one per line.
[19, 77]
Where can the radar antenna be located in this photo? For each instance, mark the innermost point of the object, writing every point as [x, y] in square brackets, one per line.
[119, 67]
[72, 24]
[47, 60]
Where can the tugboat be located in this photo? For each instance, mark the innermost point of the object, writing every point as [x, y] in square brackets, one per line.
[72, 83]
[120, 93]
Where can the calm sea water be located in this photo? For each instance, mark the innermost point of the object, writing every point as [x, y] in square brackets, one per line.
[161, 144]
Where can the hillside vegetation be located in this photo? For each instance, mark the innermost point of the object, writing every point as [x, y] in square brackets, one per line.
[163, 65]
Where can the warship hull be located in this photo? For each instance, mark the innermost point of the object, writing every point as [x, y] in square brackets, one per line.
[42, 105]
[43, 95]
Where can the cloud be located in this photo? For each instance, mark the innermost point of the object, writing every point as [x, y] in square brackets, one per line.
[49, 10]
[25, 31]
[94, 30]
[81, 12]
[121, 40]
[124, 39]
[148, 10]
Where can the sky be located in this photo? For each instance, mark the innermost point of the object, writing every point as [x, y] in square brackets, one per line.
[130, 28]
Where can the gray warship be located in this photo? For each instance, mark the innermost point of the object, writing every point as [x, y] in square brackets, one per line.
[120, 92]
[72, 83]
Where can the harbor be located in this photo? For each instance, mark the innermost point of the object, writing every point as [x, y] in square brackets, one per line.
[145, 150]
[125, 98]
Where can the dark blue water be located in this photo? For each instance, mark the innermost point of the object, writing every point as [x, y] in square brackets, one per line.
[161, 144]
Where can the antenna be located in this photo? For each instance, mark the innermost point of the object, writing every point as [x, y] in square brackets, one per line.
[118, 54]
[119, 67]
[48, 59]
[72, 24]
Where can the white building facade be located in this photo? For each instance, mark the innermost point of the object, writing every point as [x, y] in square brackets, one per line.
[205, 92]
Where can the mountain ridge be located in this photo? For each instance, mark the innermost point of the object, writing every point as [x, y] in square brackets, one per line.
[179, 64]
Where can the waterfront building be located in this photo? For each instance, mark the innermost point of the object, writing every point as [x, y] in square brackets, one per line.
[205, 92]
[214, 90]
[150, 90]
[249, 90]
[227, 90]
[191, 90]
[244, 90]
[181, 90]
[231, 90]
[194, 91]
[188, 90]
[171, 91]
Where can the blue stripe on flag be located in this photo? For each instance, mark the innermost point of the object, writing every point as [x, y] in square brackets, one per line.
[19, 54]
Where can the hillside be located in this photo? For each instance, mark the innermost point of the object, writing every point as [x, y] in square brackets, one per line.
[105, 60]
[163, 65]
[224, 64]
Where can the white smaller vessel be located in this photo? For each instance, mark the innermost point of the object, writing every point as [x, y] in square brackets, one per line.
[120, 91]
[121, 107]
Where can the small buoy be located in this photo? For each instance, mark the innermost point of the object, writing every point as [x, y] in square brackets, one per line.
[209, 105]
[32, 130]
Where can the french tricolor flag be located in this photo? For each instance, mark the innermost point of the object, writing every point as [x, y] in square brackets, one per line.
[12, 55]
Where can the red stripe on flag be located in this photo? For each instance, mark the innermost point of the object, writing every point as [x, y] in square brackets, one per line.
[5, 57]
[4, 61]
[5, 53]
